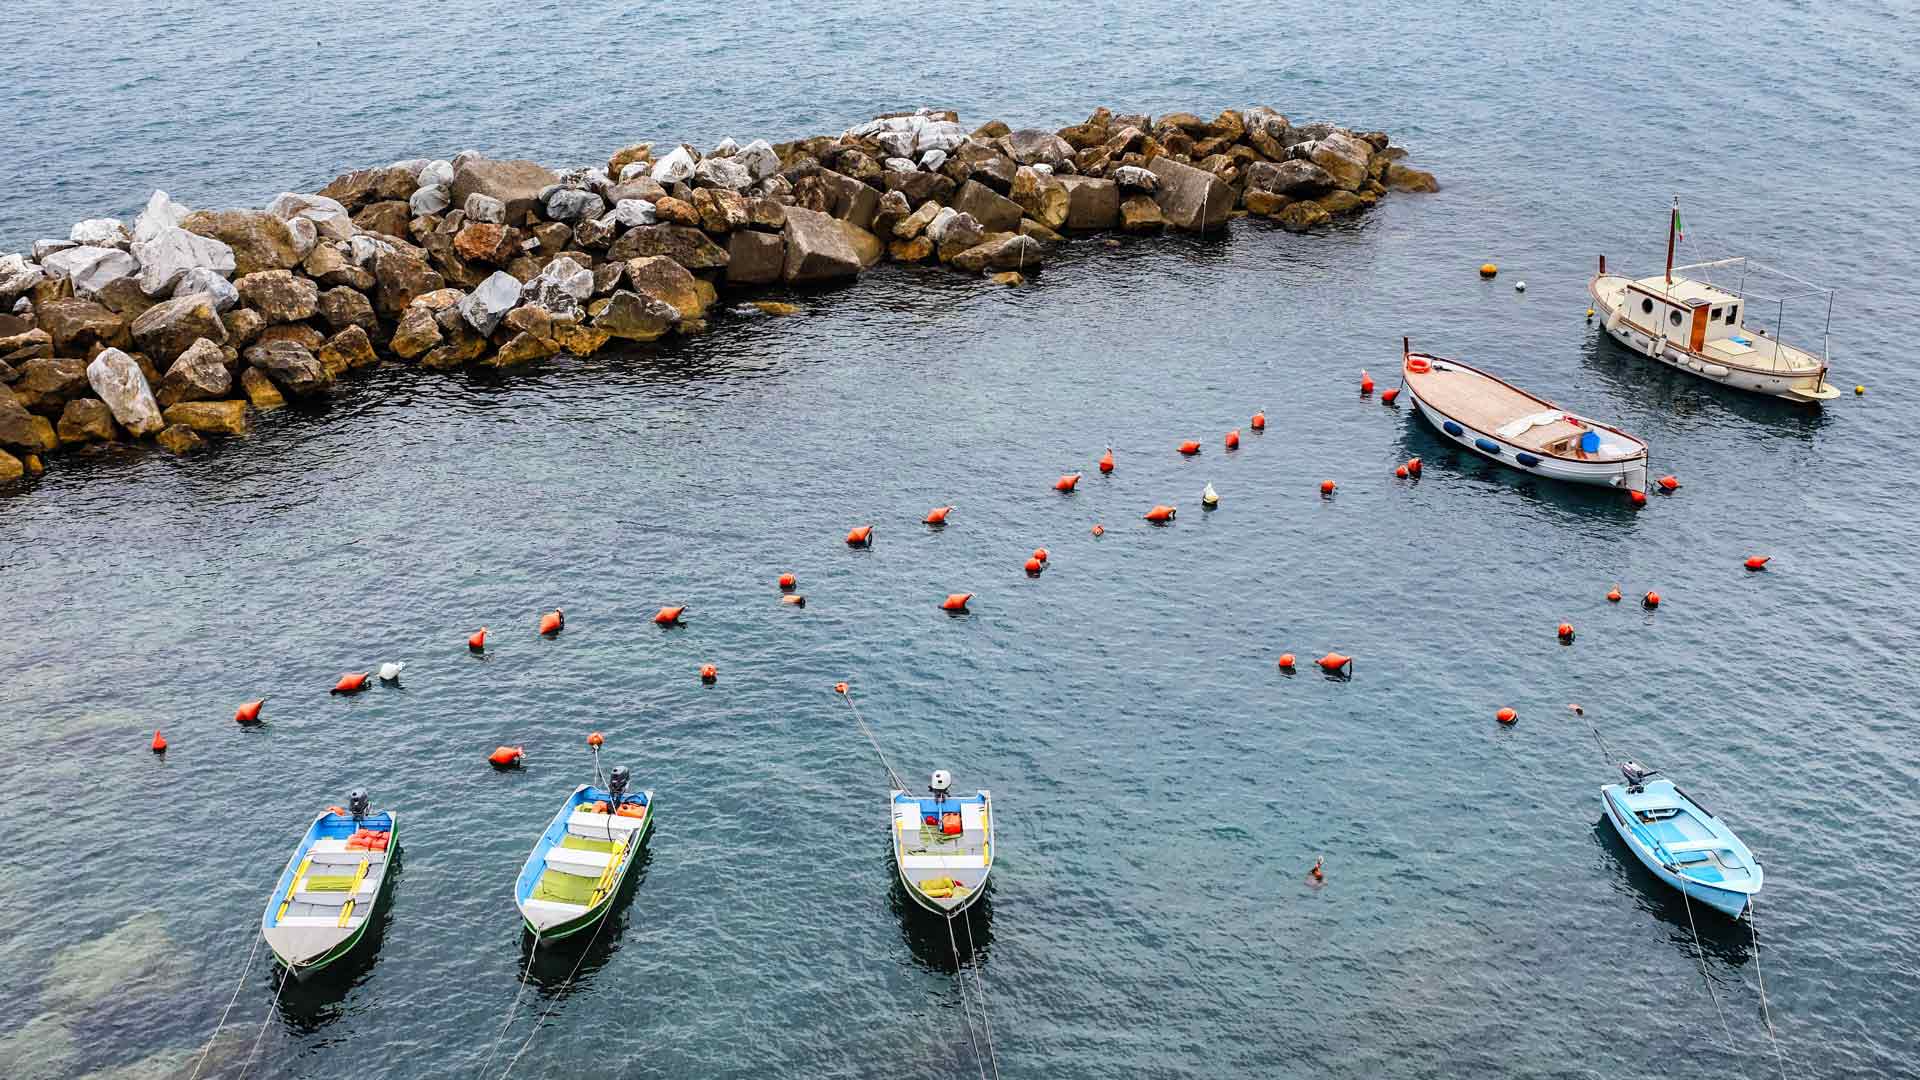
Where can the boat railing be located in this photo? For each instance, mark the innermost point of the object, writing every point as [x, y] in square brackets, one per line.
[1776, 336]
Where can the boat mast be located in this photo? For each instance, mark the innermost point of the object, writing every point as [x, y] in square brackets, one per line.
[1673, 220]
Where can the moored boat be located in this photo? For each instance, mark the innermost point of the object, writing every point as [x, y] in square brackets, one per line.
[1680, 841]
[577, 867]
[1498, 420]
[1701, 327]
[332, 887]
[943, 844]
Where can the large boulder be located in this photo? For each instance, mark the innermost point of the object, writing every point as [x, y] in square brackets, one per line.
[1033, 146]
[81, 327]
[755, 258]
[994, 212]
[101, 232]
[574, 204]
[85, 420]
[483, 308]
[18, 277]
[330, 217]
[1092, 203]
[816, 248]
[362, 186]
[168, 328]
[1041, 196]
[1301, 216]
[1005, 251]
[400, 278]
[418, 331]
[721, 211]
[209, 417]
[866, 246]
[633, 317]
[342, 307]
[485, 242]
[561, 287]
[759, 158]
[90, 269]
[955, 230]
[938, 135]
[117, 380]
[1293, 177]
[279, 295]
[350, 348]
[1139, 213]
[46, 385]
[297, 372]
[170, 253]
[199, 375]
[161, 212]
[202, 280]
[259, 240]
[723, 172]
[1344, 156]
[1403, 178]
[517, 184]
[1190, 198]
[919, 187]
[23, 431]
[663, 279]
[689, 247]
[677, 167]
[390, 217]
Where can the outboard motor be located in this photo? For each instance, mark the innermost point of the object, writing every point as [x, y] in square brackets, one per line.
[1637, 775]
[357, 804]
[617, 783]
[940, 783]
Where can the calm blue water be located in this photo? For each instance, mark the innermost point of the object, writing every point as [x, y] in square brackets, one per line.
[1162, 789]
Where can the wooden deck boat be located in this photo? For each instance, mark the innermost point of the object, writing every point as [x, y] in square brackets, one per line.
[943, 845]
[1498, 420]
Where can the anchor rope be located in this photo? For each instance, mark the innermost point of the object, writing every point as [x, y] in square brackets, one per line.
[558, 995]
[979, 1062]
[285, 978]
[237, 987]
[973, 955]
[1701, 955]
[898, 784]
[518, 993]
[1753, 931]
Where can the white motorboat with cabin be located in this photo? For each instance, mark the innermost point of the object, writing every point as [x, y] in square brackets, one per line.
[1717, 329]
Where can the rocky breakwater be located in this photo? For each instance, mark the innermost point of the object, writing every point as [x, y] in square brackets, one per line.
[191, 321]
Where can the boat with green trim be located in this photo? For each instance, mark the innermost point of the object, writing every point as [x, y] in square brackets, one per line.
[943, 844]
[583, 858]
[333, 886]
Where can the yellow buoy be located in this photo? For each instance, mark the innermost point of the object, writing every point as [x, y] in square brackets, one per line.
[1858, 390]
[1488, 269]
[1589, 313]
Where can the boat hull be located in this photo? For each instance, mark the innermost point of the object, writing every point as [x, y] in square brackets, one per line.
[304, 953]
[1628, 475]
[1729, 902]
[1801, 387]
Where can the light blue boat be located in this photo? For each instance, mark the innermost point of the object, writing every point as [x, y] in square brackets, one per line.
[1680, 841]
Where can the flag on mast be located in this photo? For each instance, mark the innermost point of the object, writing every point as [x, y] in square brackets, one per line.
[1678, 230]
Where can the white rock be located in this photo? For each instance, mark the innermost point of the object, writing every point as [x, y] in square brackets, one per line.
[202, 280]
[885, 123]
[306, 235]
[436, 174]
[328, 216]
[1135, 178]
[161, 213]
[574, 204]
[954, 226]
[428, 200]
[117, 379]
[723, 173]
[487, 304]
[485, 209]
[895, 143]
[465, 156]
[17, 275]
[1043, 169]
[362, 249]
[724, 148]
[634, 170]
[933, 159]
[412, 167]
[759, 158]
[101, 232]
[560, 288]
[173, 251]
[901, 164]
[91, 268]
[673, 168]
[44, 248]
[628, 213]
[939, 135]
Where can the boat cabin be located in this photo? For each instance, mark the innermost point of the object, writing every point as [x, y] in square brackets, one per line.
[1700, 317]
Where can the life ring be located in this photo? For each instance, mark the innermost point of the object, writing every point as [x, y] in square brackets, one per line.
[1418, 365]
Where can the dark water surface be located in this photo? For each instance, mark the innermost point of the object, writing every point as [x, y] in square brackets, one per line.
[1162, 789]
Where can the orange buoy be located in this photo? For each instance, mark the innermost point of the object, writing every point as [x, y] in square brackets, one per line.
[956, 602]
[1099, 529]
[1040, 553]
[1366, 383]
[1233, 439]
[1413, 466]
[1286, 661]
[1387, 396]
[159, 743]
[794, 599]
[1566, 633]
[840, 688]
[1651, 600]
[1327, 486]
[553, 622]
[249, 713]
[351, 684]
[1106, 461]
[1669, 482]
[937, 515]
[596, 740]
[788, 581]
[1400, 472]
[1259, 421]
[1318, 875]
[1160, 515]
[709, 674]
[669, 616]
[477, 641]
[1758, 562]
[1335, 664]
[860, 536]
[1190, 447]
[1613, 595]
[1067, 482]
[1636, 499]
[1506, 716]
[1034, 566]
[506, 757]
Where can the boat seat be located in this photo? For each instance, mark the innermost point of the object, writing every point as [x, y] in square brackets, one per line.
[956, 862]
[1704, 873]
[328, 921]
[597, 826]
[550, 907]
[1689, 856]
[585, 863]
[565, 888]
[1678, 846]
[586, 843]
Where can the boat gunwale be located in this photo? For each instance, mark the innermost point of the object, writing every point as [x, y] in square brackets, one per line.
[1427, 400]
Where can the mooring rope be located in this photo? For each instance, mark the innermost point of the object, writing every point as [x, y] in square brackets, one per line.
[1753, 930]
[979, 1061]
[237, 987]
[558, 994]
[898, 784]
[519, 992]
[1701, 955]
[973, 955]
[285, 978]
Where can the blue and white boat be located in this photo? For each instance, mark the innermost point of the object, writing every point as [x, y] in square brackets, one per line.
[1680, 841]
[332, 887]
[943, 845]
[577, 867]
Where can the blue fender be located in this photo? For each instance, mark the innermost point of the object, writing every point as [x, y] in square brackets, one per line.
[1453, 429]
[1526, 459]
[1488, 445]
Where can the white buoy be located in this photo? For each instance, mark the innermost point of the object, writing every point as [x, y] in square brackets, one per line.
[1209, 498]
[1519, 286]
[390, 671]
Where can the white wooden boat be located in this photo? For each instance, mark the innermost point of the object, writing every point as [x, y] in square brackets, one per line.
[943, 845]
[1701, 327]
[1498, 420]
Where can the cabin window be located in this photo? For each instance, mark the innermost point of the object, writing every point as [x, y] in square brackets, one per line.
[1733, 315]
[1673, 317]
[1716, 314]
[1646, 306]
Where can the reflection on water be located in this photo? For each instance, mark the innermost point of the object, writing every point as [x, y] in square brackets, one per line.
[1721, 938]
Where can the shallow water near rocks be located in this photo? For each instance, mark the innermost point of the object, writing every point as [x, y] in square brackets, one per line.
[1161, 788]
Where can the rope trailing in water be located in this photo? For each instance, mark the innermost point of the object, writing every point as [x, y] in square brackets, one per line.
[285, 978]
[237, 987]
[518, 993]
[898, 784]
[979, 1061]
[1701, 954]
[973, 954]
[1753, 930]
[557, 994]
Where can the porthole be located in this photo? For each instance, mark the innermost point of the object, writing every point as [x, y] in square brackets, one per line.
[1673, 317]
[1646, 306]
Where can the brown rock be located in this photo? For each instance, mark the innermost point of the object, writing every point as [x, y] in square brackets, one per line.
[720, 210]
[1401, 178]
[675, 212]
[416, 333]
[578, 340]
[1043, 198]
[86, 420]
[28, 345]
[486, 243]
[392, 218]
[1004, 251]
[46, 385]
[1139, 213]
[1345, 158]
[755, 258]
[690, 248]
[634, 317]
[918, 186]
[816, 248]
[523, 348]
[1032, 228]
[293, 369]
[1341, 203]
[123, 297]
[358, 188]
[200, 374]
[516, 183]
[401, 277]
[864, 244]
[11, 468]
[776, 307]
[531, 319]
[179, 439]
[1190, 198]
[328, 265]
[663, 279]
[1296, 178]
[917, 249]
[81, 327]
[170, 327]
[626, 156]
[210, 417]
[994, 212]
[1009, 278]
[460, 342]
[916, 223]
[1264, 202]
[343, 307]
[767, 214]
[279, 295]
[243, 326]
[23, 431]
[260, 390]
[1301, 216]
[1082, 136]
[299, 334]
[1092, 203]
[350, 348]
[259, 240]
[854, 201]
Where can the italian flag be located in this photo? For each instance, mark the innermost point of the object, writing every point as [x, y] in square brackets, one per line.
[1678, 230]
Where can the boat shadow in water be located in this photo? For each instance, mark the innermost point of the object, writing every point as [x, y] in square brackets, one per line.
[1721, 938]
[1640, 384]
[579, 956]
[926, 932]
[310, 1004]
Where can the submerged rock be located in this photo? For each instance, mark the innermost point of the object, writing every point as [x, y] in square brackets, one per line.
[179, 439]
[210, 417]
[117, 379]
